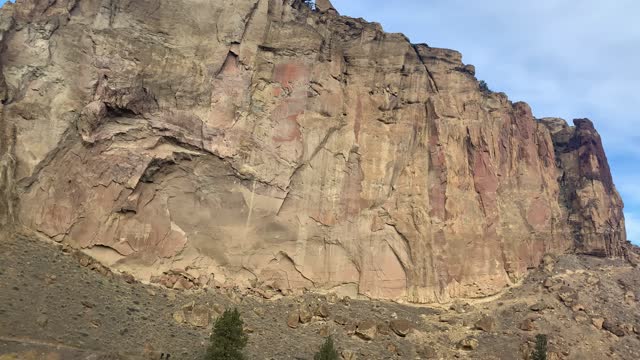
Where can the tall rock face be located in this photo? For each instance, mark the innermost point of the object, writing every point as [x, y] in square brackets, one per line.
[272, 145]
[594, 207]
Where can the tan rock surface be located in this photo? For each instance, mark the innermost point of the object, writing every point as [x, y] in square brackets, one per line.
[265, 143]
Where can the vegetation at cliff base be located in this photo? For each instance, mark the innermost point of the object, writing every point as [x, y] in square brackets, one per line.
[540, 351]
[327, 351]
[228, 338]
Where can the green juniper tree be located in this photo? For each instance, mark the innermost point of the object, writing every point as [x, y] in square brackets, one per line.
[327, 351]
[540, 352]
[228, 338]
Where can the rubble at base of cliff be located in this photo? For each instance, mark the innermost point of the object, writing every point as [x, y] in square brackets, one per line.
[60, 307]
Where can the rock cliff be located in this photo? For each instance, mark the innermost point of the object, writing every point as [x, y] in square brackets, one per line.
[269, 145]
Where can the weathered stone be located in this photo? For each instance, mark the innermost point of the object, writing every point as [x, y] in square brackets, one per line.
[486, 323]
[366, 330]
[460, 307]
[468, 344]
[567, 295]
[539, 306]
[293, 319]
[332, 298]
[428, 352]
[348, 355]
[613, 327]
[326, 331]
[548, 263]
[577, 307]
[393, 349]
[593, 280]
[401, 327]
[217, 309]
[178, 316]
[325, 6]
[306, 315]
[128, 278]
[451, 320]
[627, 328]
[193, 314]
[597, 322]
[84, 261]
[629, 297]
[383, 329]
[527, 325]
[581, 317]
[244, 137]
[350, 329]
[42, 320]
[340, 320]
[259, 311]
[322, 311]
[548, 282]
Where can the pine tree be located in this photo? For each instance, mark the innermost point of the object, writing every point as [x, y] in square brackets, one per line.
[540, 352]
[228, 338]
[327, 351]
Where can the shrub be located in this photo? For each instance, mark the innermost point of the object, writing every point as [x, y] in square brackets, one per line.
[228, 338]
[327, 351]
[540, 351]
[484, 87]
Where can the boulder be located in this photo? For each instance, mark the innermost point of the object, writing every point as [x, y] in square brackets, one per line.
[486, 323]
[539, 306]
[597, 322]
[468, 344]
[293, 319]
[629, 297]
[613, 327]
[401, 327]
[567, 295]
[348, 355]
[366, 330]
[340, 320]
[322, 311]
[527, 325]
[193, 314]
[326, 331]
[306, 315]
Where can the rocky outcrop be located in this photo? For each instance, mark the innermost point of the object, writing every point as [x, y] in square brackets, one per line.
[594, 206]
[270, 145]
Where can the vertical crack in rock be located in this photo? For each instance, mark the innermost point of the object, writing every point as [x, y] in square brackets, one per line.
[432, 81]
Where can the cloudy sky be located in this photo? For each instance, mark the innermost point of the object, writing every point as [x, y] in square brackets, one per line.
[566, 58]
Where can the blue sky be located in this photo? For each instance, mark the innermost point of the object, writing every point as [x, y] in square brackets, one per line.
[566, 58]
